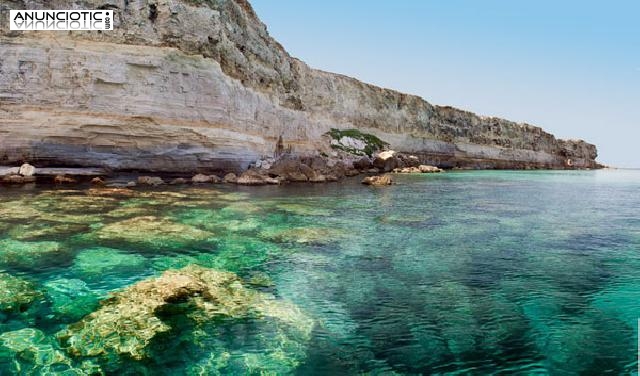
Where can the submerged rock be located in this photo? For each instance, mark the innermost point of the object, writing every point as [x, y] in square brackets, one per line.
[377, 180]
[152, 232]
[41, 230]
[59, 204]
[71, 299]
[31, 255]
[97, 263]
[111, 192]
[129, 320]
[29, 351]
[16, 293]
[305, 235]
[18, 210]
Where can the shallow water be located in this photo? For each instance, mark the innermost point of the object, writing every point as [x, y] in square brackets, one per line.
[461, 272]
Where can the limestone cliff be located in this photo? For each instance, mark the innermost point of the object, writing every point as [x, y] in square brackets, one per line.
[183, 85]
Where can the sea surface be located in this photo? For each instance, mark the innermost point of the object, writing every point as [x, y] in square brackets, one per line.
[487, 272]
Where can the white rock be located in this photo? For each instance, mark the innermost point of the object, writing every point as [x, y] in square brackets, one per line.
[353, 143]
[386, 155]
[27, 170]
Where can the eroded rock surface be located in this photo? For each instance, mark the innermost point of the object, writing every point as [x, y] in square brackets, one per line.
[188, 85]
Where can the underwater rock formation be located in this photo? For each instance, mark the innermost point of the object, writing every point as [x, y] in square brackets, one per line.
[31, 255]
[152, 232]
[110, 261]
[16, 293]
[129, 320]
[71, 299]
[200, 86]
[29, 351]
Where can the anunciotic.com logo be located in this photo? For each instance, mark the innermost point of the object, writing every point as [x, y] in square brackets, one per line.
[61, 19]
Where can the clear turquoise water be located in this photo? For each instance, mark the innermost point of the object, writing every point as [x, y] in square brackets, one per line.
[458, 273]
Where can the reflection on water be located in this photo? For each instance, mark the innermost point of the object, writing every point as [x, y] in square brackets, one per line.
[470, 272]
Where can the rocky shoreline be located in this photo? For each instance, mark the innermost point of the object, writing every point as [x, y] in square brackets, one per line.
[284, 169]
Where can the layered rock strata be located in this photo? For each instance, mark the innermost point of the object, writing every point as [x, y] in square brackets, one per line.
[199, 85]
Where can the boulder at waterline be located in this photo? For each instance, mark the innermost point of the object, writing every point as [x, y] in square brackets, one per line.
[64, 179]
[378, 180]
[386, 161]
[253, 177]
[178, 181]
[201, 178]
[27, 170]
[230, 178]
[429, 169]
[18, 179]
[150, 180]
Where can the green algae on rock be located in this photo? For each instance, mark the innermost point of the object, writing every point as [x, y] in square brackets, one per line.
[16, 293]
[128, 321]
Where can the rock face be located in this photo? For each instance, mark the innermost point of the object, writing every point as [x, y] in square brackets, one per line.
[188, 85]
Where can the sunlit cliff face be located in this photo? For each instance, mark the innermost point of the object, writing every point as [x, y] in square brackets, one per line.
[193, 85]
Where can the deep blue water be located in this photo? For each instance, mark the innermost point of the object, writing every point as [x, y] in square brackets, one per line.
[455, 273]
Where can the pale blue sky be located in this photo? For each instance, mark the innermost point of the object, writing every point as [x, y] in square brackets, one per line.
[571, 67]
